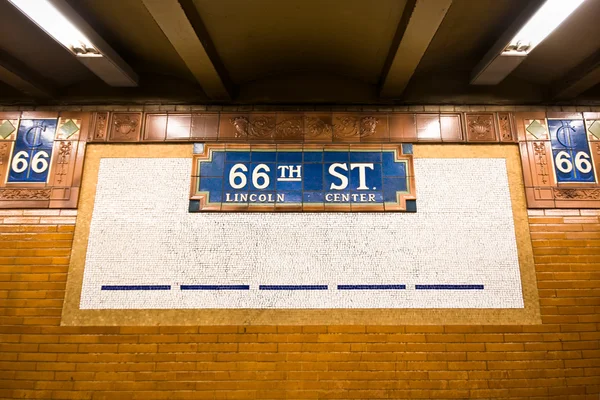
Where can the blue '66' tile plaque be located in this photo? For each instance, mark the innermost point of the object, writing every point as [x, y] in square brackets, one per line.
[236, 177]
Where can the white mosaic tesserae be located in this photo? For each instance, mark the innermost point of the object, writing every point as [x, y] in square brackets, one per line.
[457, 251]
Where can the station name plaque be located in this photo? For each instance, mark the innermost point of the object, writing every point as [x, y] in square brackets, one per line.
[340, 178]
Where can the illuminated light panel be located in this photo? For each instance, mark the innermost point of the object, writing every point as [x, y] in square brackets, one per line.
[543, 23]
[55, 24]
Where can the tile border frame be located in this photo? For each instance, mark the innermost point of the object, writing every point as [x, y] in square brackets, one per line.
[73, 316]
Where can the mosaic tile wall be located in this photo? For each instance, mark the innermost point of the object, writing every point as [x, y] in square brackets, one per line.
[146, 251]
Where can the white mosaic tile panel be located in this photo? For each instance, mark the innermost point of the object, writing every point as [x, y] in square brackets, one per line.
[142, 234]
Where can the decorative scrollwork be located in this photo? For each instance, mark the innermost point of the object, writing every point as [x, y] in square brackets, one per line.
[25, 194]
[316, 128]
[480, 127]
[100, 131]
[540, 152]
[504, 124]
[353, 126]
[64, 154]
[125, 124]
[577, 194]
[267, 128]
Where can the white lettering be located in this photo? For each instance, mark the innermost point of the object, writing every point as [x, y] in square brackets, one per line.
[262, 197]
[343, 179]
[253, 197]
[243, 196]
[371, 197]
[362, 176]
[336, 197]
[363, 197]
[345, 197]
[282, 169]
[227, 197]
[354, 197]
[329, 197]
[280, 197]
[295, 170]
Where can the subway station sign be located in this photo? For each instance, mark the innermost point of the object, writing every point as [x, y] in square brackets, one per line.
[341, 178]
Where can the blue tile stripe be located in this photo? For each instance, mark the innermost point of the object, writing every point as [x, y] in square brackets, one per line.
[449, 287]
[136, 287]
[292, 287]
[371, 287]
[215, 287]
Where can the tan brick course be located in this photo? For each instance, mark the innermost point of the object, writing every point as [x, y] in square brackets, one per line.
[558, 359]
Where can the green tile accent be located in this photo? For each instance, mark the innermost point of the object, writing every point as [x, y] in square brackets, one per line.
[594, 129]
[536, 129]
[6, 129]
[69, 128]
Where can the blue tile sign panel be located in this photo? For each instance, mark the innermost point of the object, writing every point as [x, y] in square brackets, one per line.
[235, 177]
[571, 151]
[32, 151]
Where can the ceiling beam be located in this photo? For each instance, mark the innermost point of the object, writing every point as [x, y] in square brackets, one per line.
[16, 74]
[180, 22]
[418, 24]
[579, 79]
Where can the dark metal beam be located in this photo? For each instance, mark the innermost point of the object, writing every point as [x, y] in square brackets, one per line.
[419, 23]
[18, 75]
[579, 79]
[183, 26]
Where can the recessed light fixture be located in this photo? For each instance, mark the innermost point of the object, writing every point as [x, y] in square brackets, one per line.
[63, 24]
[55, 24]
[550, 15]
[506, 55]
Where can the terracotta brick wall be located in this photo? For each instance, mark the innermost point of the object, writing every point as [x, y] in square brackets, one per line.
[559, 359]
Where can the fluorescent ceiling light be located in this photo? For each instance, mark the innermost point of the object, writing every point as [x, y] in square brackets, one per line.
[47, 17]
[550, 15]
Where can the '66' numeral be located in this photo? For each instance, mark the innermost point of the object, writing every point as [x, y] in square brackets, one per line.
[564, 164]
[260, 179]
[39, 162]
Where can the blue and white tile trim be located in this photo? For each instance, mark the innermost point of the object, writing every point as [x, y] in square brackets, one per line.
[457, 251]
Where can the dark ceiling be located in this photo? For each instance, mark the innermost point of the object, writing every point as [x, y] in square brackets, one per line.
[299, 51]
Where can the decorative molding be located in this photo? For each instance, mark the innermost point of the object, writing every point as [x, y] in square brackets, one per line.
[351, 126]
[577, 194]
[125, 127]
[539, 149]
[505, 127]
[100, 126]
[64, 155]
[480, 128]
[25, 194]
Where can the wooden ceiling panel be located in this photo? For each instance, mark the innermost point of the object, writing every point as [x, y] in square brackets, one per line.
[259, 38]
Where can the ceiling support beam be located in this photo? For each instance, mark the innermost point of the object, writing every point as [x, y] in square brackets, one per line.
[579, 79]
[180, 22]
[419, 23]
[16, 74]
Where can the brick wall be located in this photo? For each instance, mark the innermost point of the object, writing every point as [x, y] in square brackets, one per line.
[559, 359]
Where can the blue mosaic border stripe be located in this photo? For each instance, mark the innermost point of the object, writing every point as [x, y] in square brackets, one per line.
[136, 287]
[371, 287]
[449, 287]
[292, 287]
[215, 287]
